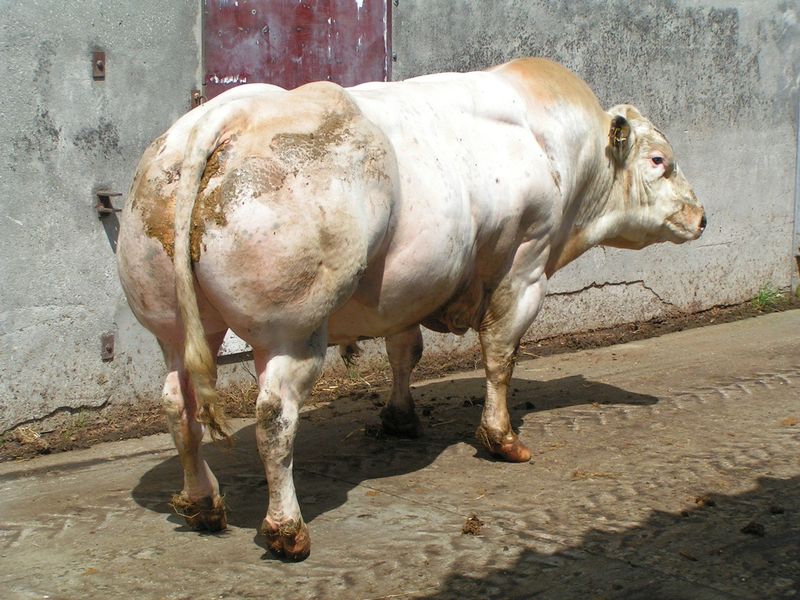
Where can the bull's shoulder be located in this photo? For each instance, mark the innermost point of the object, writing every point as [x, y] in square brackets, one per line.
[548, 83]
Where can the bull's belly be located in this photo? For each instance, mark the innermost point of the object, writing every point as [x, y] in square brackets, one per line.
[452, 300]
[355, 321]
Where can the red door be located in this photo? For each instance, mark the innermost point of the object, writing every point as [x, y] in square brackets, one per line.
[292, 42]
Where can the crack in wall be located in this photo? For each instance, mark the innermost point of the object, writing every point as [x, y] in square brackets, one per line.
[599, 286]
[61, 410]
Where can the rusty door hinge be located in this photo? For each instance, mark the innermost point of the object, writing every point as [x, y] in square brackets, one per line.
[197, 99]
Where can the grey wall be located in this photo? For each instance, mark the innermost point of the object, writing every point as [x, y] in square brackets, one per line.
[796, 245]
[64, 136]
[720, 77]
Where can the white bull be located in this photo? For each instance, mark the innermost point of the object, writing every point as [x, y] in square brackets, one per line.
[300, 219]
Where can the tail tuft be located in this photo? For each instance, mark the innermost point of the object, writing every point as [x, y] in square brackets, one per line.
[201, 365]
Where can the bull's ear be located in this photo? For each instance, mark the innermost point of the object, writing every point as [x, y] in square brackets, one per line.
[620, 139]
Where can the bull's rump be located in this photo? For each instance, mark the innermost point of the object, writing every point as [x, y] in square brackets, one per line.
[291, 206]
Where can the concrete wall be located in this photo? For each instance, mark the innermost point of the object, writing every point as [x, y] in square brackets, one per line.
[66, 135]
[720, 77]
[796, 245]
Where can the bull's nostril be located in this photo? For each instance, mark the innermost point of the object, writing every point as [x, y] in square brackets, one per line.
[703, 222]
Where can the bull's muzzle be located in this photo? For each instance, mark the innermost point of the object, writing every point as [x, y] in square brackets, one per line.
[695, 221]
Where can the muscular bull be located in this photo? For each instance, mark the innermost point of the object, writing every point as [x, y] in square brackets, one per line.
[304, 218]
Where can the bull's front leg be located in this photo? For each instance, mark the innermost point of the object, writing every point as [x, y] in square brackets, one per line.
[285, 381]
[512, 309]
[404, 350]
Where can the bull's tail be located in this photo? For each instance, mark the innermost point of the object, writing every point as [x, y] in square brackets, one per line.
[208, 133]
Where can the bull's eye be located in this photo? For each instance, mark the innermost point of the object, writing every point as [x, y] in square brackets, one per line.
[657, 160]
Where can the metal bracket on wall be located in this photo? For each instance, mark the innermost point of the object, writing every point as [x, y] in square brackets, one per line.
[108, 215]
[98, 66]
[107, 347]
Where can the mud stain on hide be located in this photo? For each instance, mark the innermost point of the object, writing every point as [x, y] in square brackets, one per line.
[344, 143]
[159, 218]
[270, 419]
[268, 415]
[214, 165]
[328, 240]
[375, 163]
[173, 173]
[209, 205]
[153, 196]
[262, 176]
[299, 149]
[155, 200]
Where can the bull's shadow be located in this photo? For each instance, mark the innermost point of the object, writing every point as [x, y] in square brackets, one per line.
[741, 546]
[333, 455]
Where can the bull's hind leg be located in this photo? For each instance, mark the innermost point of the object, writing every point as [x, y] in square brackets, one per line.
[511, 311]
[404, 350]
[285, 378]
[199, 502]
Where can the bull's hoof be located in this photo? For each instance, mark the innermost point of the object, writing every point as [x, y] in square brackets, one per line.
[400, 423]
[506, 446]
[290, 539]
[203, 514]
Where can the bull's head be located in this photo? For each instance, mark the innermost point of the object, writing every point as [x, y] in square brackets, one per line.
[657, 203]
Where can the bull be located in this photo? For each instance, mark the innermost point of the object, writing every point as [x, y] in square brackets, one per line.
[323, 215]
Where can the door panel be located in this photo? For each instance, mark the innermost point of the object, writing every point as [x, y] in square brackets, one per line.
[292, 42]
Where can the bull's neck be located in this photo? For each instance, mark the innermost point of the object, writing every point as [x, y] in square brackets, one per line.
[594, 215]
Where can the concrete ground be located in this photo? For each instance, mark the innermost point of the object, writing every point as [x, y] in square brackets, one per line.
[667, 468]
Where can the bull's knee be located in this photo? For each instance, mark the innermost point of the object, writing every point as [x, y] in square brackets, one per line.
[275, 422]
[172, 398]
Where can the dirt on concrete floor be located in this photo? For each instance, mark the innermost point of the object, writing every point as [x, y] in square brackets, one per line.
[71, 430]
[662, 468]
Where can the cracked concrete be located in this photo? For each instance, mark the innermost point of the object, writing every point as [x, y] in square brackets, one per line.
[599, 286]
[652, 461]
